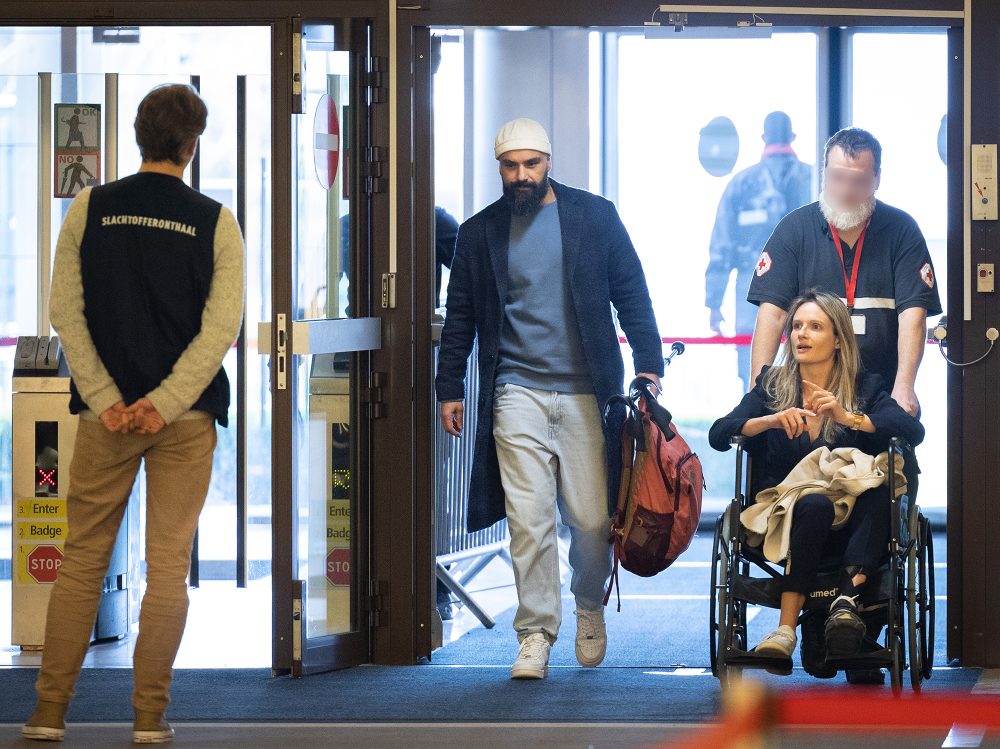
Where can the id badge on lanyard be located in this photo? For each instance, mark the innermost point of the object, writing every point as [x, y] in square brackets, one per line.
[851, 283]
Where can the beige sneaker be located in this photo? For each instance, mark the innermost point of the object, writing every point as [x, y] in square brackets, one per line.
[46, 723]
[533, 658]
[151, 728]
[779, 644]
[591, 637]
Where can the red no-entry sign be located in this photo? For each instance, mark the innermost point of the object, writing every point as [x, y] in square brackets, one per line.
[326, 141]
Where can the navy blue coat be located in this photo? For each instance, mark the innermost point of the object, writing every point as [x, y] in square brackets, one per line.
[603, 269]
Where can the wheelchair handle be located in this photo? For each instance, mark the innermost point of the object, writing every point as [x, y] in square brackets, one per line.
[899, 444]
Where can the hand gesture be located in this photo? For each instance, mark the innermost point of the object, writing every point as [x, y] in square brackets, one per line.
[117, 419]
[823, 402]
[145, 418]
[792, 420]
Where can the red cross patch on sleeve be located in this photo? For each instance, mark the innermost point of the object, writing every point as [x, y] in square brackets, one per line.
[926, 275]
[764, 264]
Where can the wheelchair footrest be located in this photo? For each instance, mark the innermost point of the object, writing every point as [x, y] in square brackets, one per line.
[751, 659]
[878, 658]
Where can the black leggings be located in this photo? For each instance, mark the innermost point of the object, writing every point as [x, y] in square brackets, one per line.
[862, 542]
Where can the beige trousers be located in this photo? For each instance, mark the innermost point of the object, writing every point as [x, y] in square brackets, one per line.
[104, 467]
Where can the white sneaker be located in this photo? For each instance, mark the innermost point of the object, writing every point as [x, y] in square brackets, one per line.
[779, 644]
[591, 637]
[43, 733]
[151, 728]
[533, 658]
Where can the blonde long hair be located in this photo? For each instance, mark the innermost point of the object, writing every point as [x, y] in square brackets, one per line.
[783, 382]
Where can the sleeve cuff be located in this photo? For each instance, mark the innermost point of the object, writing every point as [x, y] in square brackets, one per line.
[931, 311]
[166, 405]
[103, 400]
[760, 299]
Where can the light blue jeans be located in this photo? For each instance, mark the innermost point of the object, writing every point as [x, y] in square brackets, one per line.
[550, 447]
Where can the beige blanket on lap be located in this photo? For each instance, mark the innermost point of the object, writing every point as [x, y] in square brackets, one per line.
[840, 474]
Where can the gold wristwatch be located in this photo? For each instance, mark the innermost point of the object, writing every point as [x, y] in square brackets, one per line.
[859, 419]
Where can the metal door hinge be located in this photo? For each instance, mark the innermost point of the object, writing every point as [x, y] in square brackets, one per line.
[373, 169]
[378, 610]
[375, 79]
[373, 395]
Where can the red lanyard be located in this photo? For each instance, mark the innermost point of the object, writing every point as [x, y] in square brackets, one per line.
[850, 283]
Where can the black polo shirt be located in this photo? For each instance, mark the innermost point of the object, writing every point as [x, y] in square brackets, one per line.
[895, 274]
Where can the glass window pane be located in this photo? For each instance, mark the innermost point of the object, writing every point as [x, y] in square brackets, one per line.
[325, 494]
[169, 54]
[670, 94]
[905, 112]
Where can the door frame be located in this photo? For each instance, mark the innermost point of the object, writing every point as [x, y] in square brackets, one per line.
[292, 650]
[417, 183]
[391, 435]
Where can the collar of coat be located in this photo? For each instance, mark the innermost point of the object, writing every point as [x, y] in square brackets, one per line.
[497, 217]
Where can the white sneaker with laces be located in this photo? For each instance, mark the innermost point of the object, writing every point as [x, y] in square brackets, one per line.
[780, 643]
[533, 658]
[591, 637]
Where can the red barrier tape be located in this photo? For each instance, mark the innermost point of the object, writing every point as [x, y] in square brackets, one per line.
[835, 707]
[739, 340]
[731, 340]
[836, 710]
[13, 342]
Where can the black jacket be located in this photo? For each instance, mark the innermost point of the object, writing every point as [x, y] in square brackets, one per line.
[775, 455]
[603, 270]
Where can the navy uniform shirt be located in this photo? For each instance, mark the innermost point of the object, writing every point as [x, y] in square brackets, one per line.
[895, 274]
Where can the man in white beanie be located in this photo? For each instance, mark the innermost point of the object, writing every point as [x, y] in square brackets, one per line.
[535, 276]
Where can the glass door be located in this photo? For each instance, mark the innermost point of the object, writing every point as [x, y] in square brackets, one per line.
[322, 335]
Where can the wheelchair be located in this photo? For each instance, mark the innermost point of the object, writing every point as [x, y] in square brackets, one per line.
[899, 596]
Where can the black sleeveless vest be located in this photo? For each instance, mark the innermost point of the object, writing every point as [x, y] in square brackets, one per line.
[146, 261]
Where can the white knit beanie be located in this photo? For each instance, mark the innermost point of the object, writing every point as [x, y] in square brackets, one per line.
[520, 134]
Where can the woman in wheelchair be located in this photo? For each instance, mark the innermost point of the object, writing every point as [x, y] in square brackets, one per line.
[817, 396]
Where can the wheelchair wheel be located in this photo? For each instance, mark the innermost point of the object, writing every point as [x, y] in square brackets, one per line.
[719, 572]
[725, 615]
[895, 641]
[927, 632]
[916, 599]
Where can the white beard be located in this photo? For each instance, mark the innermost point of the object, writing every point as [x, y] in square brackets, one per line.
[846, 220]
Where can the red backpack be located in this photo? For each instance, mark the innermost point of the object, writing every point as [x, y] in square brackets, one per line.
[659, 498]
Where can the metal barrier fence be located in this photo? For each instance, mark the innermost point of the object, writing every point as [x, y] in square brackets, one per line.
[461, 555]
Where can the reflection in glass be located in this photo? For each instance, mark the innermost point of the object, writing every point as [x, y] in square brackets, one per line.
[325, 490]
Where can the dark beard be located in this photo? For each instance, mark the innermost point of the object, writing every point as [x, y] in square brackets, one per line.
[524, 203]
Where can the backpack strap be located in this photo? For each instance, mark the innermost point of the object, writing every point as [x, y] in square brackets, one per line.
[613, 580]
[645, 401]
